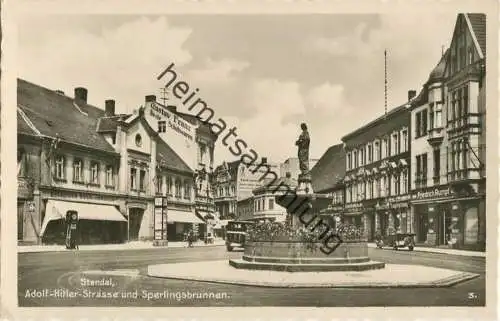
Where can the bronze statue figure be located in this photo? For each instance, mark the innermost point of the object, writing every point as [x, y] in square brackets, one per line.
[303, 149]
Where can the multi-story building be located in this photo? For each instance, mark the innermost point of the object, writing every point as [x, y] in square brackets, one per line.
[108, 167]
[328, 178]
[193, 140]
[262, 204]
[225, 182]
[291, 165]
[449, 143]
[235, 181]
[377, 173]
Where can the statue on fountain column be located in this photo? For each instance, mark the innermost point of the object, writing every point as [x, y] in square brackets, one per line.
[303, 154]
[303, 149]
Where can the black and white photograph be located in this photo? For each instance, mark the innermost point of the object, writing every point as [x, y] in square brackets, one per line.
[255, 160]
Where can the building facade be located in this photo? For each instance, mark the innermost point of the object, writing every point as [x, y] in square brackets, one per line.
[449, 143]
[291, 165]
[328, 178]
[225, 183]
[377, 174]
[235, 181]
[107, 167]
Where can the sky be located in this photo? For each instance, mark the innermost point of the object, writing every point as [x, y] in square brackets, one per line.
[264, 74]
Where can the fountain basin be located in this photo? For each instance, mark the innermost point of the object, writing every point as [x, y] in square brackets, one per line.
[295, 256]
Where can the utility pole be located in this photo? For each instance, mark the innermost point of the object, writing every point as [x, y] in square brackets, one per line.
[385, 82]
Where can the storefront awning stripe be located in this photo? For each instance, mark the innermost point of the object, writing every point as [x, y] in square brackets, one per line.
[56, 210]
[182, 217]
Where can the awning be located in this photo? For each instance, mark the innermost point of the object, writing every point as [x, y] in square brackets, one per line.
[174, 216]
[56, 210]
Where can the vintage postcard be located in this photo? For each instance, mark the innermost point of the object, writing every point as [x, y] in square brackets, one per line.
[247, 157]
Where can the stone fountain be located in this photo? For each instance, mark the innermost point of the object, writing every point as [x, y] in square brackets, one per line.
[303, 206]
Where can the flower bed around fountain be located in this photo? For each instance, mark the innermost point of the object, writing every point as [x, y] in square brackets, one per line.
[279, 247]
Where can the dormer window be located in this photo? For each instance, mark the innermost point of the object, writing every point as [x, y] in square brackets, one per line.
[138, 140]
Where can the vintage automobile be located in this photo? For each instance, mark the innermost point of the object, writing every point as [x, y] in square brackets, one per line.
[236, 234]
[397, 240]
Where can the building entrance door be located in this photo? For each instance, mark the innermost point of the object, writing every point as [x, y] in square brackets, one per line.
[135, 220]
[423, 227]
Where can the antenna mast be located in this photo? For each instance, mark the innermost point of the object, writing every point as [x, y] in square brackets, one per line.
[385, 82]
[164, 96]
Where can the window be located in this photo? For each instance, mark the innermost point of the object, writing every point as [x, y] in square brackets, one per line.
[133, 178]
[78, 171]
[390, 187]
[349, 161]
[177, 188]
[471, 55]
[158, 185]
[383, 187]
[355, 152]
[187, 190]
[370, 153]
[421, 171]
[376, 151]
[94, 173]
[397, 184]
[421, 124]
[60, 167]
[395, 144]
[404, 141]
[138, 140]
[170, 186]
[227, 190]
[385, 148]
[405, 181]
[162, 126]
[271, 204]
[437, 166]
[109, 176]
[361, 157]
[113, 138]
[142, 180]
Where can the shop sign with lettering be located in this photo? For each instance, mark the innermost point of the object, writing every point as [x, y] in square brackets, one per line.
[432, 193]
[172, 120]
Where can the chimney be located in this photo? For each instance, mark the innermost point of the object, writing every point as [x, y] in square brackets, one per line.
[110, 107]
[411, 94]
[81, 95]
[150, 98]
[264, 160]
[60, 92]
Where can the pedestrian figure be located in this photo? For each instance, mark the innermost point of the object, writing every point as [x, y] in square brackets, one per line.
[190, 238]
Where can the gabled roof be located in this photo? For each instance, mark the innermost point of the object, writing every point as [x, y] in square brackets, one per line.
[168, 158]
[438, 73]
[109, 123]
[478, 24]
[330, 170]
[23, 127]
[54, 114]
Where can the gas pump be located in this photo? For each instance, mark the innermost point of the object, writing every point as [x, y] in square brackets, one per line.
[71, 229]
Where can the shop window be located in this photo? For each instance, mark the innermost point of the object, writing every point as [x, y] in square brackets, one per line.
[77, 171]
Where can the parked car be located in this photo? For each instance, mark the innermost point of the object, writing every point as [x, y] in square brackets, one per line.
[396, 241]
[236, 234]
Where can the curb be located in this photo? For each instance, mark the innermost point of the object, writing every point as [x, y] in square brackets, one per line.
[443, 283]
[63, 249]
[430, 250]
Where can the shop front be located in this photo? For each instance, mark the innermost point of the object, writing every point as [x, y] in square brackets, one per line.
[332, 214]
[393, 215]
[179, 223]
[98, 223]
[444, 217]
[353, 214]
